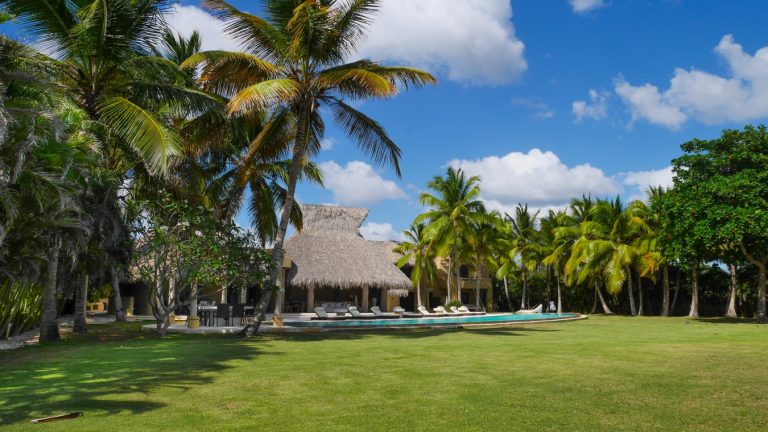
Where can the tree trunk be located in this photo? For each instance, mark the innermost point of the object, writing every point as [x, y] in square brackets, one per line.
[81, 300]
[640, 294]
[193, 299]
[761, 316]
[477, 290]
[506, 293]
[456, 267]
[632, 309]
[606, 309]
[677, 290]
[665, 294]
[525, 286]
[559, 296]
[594, 301]
[448, 278]
[116, 298]
[49, 325]
[731, 311]
[694, 312]
[418, 295]
[278, 253]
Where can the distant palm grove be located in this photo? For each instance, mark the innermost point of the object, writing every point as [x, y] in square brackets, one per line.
[125, 149]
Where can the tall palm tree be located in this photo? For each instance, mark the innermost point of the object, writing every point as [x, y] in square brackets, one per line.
[294, 66]
[417, 248]
[556, 231]
[523, 245]
[453, 209]
[483, 241]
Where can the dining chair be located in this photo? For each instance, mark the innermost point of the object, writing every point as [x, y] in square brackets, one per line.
[222, 311]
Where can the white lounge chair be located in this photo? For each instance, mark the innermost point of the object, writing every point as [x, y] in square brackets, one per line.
[465, 310]
[536, 310]
[379, 314]
[440, 310]
[356, 314]
[456, 311]
[323, 315]
[425, 312]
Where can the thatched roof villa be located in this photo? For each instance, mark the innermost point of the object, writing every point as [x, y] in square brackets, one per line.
[331, 263]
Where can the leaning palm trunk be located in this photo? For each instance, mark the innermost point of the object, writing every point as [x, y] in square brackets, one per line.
[665, 295]
[448, 278]
[116, 298]
[277, 252]
[506, 293]
[677, 291]
[731, 311]
[632, 309]
[694, 312]
[640, 294]
[81, 300]
[559, 296]
[418, 294]
[606, 309]
[49, 325]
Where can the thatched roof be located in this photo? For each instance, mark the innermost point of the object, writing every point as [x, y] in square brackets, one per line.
[330, 252]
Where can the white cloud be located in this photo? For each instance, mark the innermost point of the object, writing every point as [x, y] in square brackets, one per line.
[595, 109]
[584, 6]
[186, 19]
[540, 109]
[638, 182]
[358, 184]
[537, 178]
[469, 40]
[327, 143]
[705, 97]
[380, 231]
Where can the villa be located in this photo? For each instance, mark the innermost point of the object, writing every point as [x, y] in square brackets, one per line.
[329, 263]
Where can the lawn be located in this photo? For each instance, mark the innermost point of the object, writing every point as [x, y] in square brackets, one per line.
[604, 373]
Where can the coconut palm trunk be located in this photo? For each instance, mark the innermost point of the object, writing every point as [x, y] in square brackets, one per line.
[278, 253]
[761, 314]
[559, 295]
[81, 300]
[677, 291]
[665, 294]
[606, 309]
[731, 311]
[640, 294]
[448, 279]
[630, 290]
[506, 293]
[49, 325]
[116, 298]
[694, 312]
[525, 286]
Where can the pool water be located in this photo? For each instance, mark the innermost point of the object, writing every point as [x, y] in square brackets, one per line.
[435, 321]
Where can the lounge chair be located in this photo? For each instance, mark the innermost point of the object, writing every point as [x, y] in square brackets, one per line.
[425, 312]
[379, 314]
[356, 314]
[536, 310]
[456, 311]
[440, 310]
[465, 310]
[323, 315]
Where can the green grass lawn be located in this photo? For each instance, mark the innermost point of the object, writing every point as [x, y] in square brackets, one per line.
[604, 373]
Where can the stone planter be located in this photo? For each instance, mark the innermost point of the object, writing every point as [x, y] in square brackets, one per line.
[193, 322]
[277, 321]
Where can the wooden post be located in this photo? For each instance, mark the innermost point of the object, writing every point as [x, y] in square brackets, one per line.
[310, 299]
[365, 299]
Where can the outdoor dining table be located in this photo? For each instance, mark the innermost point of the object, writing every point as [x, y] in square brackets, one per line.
[209, 309]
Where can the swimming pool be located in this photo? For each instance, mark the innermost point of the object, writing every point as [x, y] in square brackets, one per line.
[435, 321]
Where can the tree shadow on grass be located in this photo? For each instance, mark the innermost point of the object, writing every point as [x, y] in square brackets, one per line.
[722, 320]
[404, 333]
[113, 377]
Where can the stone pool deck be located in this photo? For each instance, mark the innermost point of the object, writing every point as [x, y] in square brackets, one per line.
[267, 326]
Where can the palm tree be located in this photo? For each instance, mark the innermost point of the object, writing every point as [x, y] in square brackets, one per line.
[523, 245]
[556, 229]
[483, 241]
[417, 248]
[453, 210]
[294, 67]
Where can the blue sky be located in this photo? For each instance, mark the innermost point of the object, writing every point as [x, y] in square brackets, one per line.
[544, 99]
